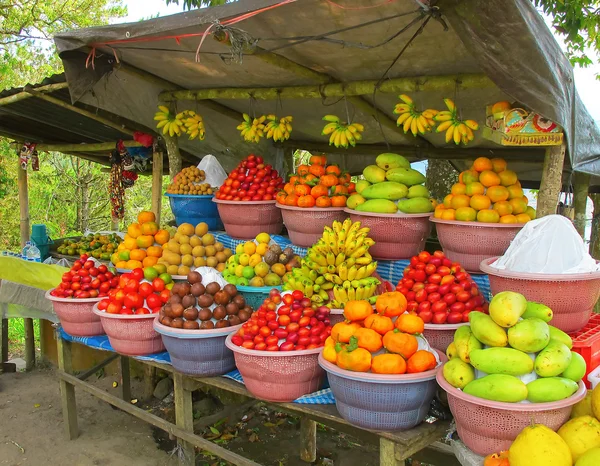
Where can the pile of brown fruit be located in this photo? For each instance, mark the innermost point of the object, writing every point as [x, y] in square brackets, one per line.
[194, 306]
[189, 181]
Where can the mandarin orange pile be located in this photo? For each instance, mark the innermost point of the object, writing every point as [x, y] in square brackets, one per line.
[488, 192]
[189, 181]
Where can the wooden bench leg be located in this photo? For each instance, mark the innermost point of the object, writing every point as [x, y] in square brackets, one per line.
[29, 344]
[67, 391]
[149, 381]
[43, 346]
[387, 453]
[308, 438]
[184, 418]
[125, 379]
[3, 341]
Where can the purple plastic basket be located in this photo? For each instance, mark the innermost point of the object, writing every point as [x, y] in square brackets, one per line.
[396, 236]
[245, 220]
[382, 402]
[198, 352]
[305, 225]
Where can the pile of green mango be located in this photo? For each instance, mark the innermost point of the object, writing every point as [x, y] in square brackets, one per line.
[390, 186]
[513, 354]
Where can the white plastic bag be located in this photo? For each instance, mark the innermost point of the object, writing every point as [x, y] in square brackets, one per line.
[548, 245]
[215, 174]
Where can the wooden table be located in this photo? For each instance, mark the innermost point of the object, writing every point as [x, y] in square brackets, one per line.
[395, 447]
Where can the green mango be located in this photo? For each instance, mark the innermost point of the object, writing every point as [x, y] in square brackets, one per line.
[388, 161]
[458, 373]
[553, 360]
[529, 335]
[486, 330]
[559, 335]
[361, 185]
[406, 176]
[417, 205]
[576, 368]
[498, 387]
[539, 310]
[549, 389]
[385, 190]
[507, 361]
[507, 307]
[374, 174]
[465, 342]
[379, 206]
[355, 200]
[418, 190]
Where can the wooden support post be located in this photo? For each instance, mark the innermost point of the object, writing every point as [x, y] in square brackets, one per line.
[43, 346]
[308, 439]
[387, 453]
[125, 379]
[174, 155]
[157, 174]
[184, 418]
[3, 341]
[149, 381]
[551, 184]
[581, 184]
[23, 203]
[29, 344]
[67, 390]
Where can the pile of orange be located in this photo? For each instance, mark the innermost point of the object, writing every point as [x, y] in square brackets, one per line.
[142, 246]
[317, 184]
[487, 192]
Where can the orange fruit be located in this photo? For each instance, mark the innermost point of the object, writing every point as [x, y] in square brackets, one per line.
[474, 188]
[437, 213]
[507, 177]
[466, 214]
[149, 261]
[503, 208]
[162, 237]
[508, 219]
[498, 165]
[488, 216]
[469, 176]
[121, 265]
[131, 264]
[129, 243]
[408, 323]
[526, 199]
[482, 164]
[134, 230]
[480, 202]
[458, 188]
[497, 193]
[501, 106]
[154, 251]
[489, 178]
[137, 255]
[145, 241]
[146, 216]
[515, 192]
[461, 200]
[448, 201]
[518, 205]
[448, 214]
[421, 361]
[523, 218]
[149, 228]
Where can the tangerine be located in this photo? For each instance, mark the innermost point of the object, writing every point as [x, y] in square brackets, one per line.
[458, 188]
[448, 214]
[519, 206]
[323, 201]
[146, 216]
[523, 218]
[162, 237]
[497, 193]
[482, 164]
[460, 200]
[149, 228]
[488, 216]
[408, 323]
[149, 261]
[515, 192]
[437, 213]
[480, 202]
[291, 200]
[154, 251]
[421, 361]
[466, 214]
[531, 212]
[137, 255]
[132, 264]
[507, 177]
[489, 178]
[469, 176]
[508, 219]
[129, 243]
[145, 241]
[134, 230]
[448, 201]
[499, 165]
[503, 208]
[474, 188]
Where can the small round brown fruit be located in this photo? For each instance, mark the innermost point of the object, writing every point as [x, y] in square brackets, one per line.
[198, 289]
[208, 325]
[188, 301]
[191, 325]
[175, 298]
[244, 315]
[184, 288]
[234, 320]
[190, 313]
[177, 322]
[232, 309]
[205, 300]
[166, 321]
[239, 300]
[175, 290]
[177, 310]
[219, 312]
[221, 297]
[222, 324]
[230, 289]
[205, 314]
[212, 288]
[194, 277]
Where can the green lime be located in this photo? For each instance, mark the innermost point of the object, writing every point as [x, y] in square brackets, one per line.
[242, 281]
[124, 255]
[248, 272]
[165, 278]
[150, 273]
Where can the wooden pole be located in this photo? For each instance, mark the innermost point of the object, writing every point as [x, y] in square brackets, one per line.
[93, 147]
[23, 203]
[157, 174]
[308, 440]
[551, 184]
[29, 344]
[11, 99]
[581, 184]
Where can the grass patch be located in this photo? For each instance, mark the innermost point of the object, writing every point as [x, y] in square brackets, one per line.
[16, 337]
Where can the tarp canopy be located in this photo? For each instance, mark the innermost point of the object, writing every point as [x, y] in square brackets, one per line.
[474, 52]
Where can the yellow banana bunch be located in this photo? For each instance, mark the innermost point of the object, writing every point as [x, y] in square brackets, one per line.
[194, 125]
[457, 130]
[411, 119]
[252, 129]
[340, 133]
[171, 124]
[278, 129]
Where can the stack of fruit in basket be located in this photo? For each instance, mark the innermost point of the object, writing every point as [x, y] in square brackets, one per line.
[136, 295]
[194, 306]
[259, 263]
[439, 290]
[189, 181]
[251, 180]
[390, 186]
[526, 358]
[288, 322]
[86, 280]
[384, 341]
[193, 247]
[317, 185]
[97, 245]
[338, 268]
[487, 192]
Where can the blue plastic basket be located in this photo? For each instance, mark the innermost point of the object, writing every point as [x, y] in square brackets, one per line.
[255, 296]
[195, 209]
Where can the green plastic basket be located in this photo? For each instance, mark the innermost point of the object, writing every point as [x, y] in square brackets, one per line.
[255, 296]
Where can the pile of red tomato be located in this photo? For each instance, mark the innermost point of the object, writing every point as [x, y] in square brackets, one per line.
[85, 280]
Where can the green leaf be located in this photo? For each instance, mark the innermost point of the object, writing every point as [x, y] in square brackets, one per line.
[215, 430]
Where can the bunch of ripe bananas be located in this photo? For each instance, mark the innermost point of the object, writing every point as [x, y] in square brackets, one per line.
[340, 133]
[170, 123]
[252, 129]
[339, 262]
[280, 130]
[411, 119]
[194, 125]
[457, 130]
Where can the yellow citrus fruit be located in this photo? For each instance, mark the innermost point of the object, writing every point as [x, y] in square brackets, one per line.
[522, 218]
[128, 243]
[458, 188]
[185, 249]
[460, 200]
[244, 259]
[474, 188]
[480, 202]
[121, 265]
[162, 237]
[149, 228]
[488, 216]
[508, 219]
[124, 255]
[448, 201]
[437, 213]
[255, 259]
[186, 229]
[262, 248]
[515, 191]
[149, 261]
[134, 230]
[468, 176]
[172, 269]
[279, 269]
[131, 264]
[465, 214]
[261, 269]
[263, 238]
[518, 205]
[482, 164]
[201, 229]
[208, 239]
[489, 178]
[498, 165]
[137, 255]
[497, 193]
[160, 268]
[531, 213]
[239, 249]
[198, 251]
[249, 247]
[187, 260]
[195, 241]
[145, 241]
[448, 214]
[503, 208]
[199, 262]
[507, 177]
[173, 246]
[146, 216]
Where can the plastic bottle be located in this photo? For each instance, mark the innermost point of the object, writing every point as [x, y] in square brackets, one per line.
[33, 254]
[26, 250]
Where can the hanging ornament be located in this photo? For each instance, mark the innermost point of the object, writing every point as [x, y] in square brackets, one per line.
[35, 161]
[25, 154]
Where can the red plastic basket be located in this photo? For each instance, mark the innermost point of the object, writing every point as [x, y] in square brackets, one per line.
[587, 343]
[305, 225]
[439, 336]
[245, 220]
[76, 315]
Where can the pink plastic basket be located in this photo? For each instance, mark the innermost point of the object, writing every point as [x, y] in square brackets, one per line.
[76, 315]
[570, 296]
[245, 220]
[132, 335]
[439, 336]
[382, 402]
[490, 426]
[396, 236]
[278, 376]
[305, 226]
[336, 316]
[471, 242]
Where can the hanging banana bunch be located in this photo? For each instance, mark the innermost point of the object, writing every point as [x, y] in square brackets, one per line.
[342, 134]
[252, 129]
[194, 125]
[278, 129]
[170, 123]
[411, 119]
[457, 130]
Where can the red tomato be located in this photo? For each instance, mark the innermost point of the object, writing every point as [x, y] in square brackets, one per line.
[439, 318]
[102, 305]
[153, 300]
[412, 306]
[146, 290]
[455, 317]
[96, 284]
[133, 300]
[463, 296]
[424, 306]
[281, 334]
[66, 277]
[457, 307]
[449, 299]
[158, 284]
[131, 286]
[142, 310]
[304, 321]
[430, 269]
[286, 346]
[439, 306]
[431, 288]
[272, 340]
[424, 257]
[426, 316]
[88, 264]
[439, 254]
[420, 275]
[435, 278]
[443, 270]
[138, 274]
[114, 308]
[248, 345]
[287, 299]
[436, 261]
[410, 295]
[418, 286]
[434, 297]
[421, 296]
